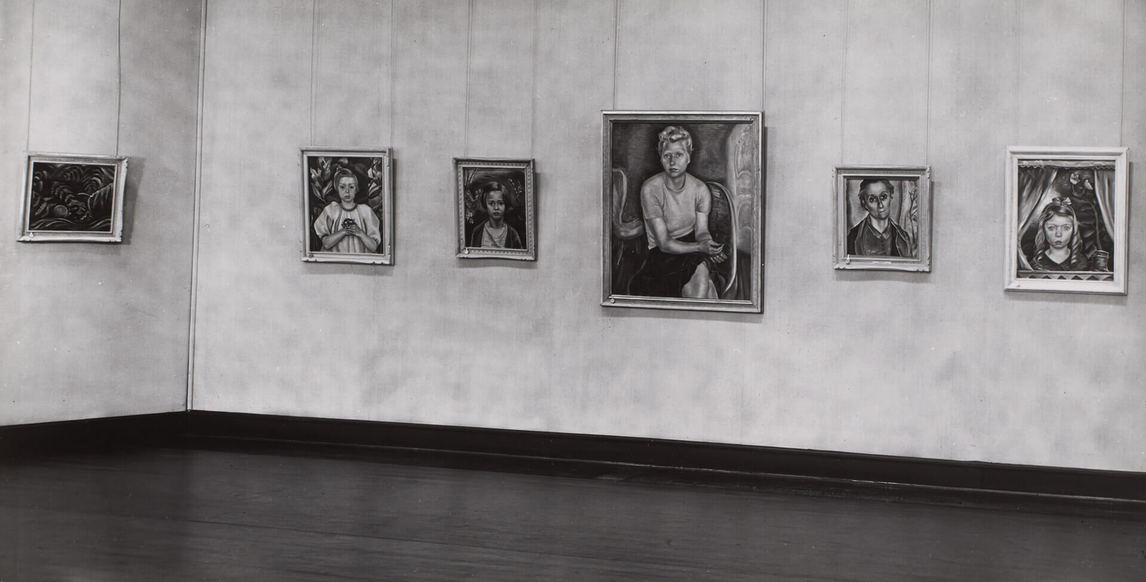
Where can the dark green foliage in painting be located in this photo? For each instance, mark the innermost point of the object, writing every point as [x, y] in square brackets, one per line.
[72, 197]
[512, 181]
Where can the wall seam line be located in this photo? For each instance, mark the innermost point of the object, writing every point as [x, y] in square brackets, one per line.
[389, 146]
[763, 173]
[197, 202]
[31, 72]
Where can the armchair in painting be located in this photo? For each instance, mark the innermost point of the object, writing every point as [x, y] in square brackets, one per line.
[631, 249]
[722, 223]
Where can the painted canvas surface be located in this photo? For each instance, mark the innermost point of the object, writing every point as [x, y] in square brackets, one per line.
[496, 209]
[683, 202]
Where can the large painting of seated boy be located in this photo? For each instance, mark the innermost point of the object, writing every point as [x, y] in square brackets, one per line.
[683, 203]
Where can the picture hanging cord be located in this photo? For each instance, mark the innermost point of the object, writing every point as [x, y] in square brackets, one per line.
[469, 49]
[844, 76]
[616, 37]
[844, 86]
[313, 64]
[390, 138]
[31, 71]
[927, 104]
[118, 72]
[533, 85]
[1016, 119]
[1122, 88]
[764, 55]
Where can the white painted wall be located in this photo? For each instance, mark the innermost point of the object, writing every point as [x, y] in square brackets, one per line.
[94, 330]
[942, 365]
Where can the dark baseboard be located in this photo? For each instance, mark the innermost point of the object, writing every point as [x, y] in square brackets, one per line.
[578, 455]
[92, 434]
[691, 461]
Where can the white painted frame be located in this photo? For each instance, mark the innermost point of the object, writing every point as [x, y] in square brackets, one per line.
[385, 256]
[921, 175]
[114, 234]
[1018, 279]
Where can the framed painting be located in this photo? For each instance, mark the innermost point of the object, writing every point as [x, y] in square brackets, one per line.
[883, 218]
[1066, 219]
[73, 198]
[682, 205]
[497, 216]
[348, 206]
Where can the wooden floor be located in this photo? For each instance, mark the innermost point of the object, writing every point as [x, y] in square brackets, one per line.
[202, 513]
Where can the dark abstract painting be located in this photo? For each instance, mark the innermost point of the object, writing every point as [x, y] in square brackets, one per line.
[73, 198]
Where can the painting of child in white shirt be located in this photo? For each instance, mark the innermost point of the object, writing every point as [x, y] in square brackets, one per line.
[345, 226]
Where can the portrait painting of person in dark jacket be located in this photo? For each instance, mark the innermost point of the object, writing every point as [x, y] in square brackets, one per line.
[882, 218]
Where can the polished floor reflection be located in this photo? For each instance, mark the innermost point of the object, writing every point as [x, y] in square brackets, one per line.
[230, 514]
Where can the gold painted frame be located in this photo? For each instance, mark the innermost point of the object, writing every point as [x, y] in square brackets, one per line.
[515, 178]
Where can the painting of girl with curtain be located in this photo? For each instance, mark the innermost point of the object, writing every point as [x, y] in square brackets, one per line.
[1067, 231]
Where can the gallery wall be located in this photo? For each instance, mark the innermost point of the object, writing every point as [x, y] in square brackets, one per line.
[942, 365]
[94, 330]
